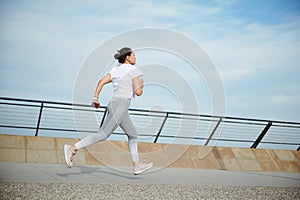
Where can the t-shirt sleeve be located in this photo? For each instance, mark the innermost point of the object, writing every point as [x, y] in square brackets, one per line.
[135, 73]
[112, 72]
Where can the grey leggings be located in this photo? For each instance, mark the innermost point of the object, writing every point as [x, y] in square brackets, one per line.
[117, 116]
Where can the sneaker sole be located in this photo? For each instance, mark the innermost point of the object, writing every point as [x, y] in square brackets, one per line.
[142, 171]
[66, 155]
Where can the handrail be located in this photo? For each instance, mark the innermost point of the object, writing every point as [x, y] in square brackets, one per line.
[41, 116]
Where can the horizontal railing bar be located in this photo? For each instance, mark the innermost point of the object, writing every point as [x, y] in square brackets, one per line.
[154, 111]
[67, 120]
[67, 130]
[18, 127]
[56, 117]
[285, 126]
[283, 143]
[70, 108]
[239, 122]
[140, 114]
[164, 136]
[45, 102]
[16, 104]
[77, 109]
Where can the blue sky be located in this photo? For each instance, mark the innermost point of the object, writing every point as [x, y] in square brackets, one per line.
[255, 46]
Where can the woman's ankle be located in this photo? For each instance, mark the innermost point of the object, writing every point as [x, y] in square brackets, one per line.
[74, 148]
[135, 164]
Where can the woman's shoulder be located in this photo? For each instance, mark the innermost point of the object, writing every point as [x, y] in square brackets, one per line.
[128, 66]
[122, 70]
[135, 72]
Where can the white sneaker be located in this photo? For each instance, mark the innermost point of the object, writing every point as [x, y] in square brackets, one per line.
[142, 167]
[69, 155]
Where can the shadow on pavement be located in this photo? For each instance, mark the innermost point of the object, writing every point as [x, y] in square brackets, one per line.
[86, 170]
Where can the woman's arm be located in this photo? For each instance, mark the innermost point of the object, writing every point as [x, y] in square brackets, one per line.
[106, 79]
[138, 84]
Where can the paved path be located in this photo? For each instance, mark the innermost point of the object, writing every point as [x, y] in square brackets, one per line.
[54, 181]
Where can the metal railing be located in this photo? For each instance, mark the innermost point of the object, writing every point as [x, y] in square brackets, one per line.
[57, 119]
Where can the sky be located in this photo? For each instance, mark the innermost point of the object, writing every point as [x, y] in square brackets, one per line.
[254, 45]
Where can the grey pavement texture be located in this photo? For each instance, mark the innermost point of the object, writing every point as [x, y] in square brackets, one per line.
[55, 181]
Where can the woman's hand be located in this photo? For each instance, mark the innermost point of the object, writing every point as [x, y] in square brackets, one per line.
[96, 103]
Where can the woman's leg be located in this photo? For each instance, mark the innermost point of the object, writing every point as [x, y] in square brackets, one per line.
[104, 132]
[115, 112]
[128, 127]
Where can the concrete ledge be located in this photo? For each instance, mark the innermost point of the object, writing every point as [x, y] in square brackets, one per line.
[115, 153]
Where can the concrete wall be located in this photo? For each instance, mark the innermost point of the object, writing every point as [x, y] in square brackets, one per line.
[115, 153]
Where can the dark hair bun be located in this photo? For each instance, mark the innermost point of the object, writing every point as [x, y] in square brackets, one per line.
[121, 52]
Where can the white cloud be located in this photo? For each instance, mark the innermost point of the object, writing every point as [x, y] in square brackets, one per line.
[254, 49]
[281, 99]
[60, 35]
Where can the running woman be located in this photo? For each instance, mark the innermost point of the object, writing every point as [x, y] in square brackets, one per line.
[127, 82]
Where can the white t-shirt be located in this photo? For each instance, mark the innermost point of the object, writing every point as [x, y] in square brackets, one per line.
[121, 77]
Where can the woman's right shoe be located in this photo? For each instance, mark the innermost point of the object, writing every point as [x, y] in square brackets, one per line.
[142, 167]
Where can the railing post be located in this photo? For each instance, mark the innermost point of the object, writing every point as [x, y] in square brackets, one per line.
[161, 127]
[39, 119]
[104, 115]
[213, 132]
[262, 134]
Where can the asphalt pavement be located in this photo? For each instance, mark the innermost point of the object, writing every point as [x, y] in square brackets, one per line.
[56, 181]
